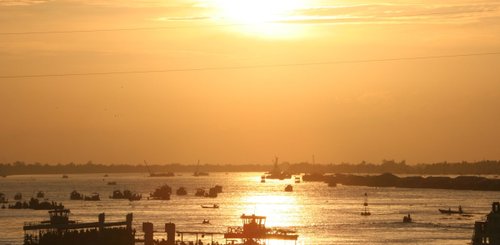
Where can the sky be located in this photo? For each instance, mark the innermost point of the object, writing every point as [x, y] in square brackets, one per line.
[244, 81]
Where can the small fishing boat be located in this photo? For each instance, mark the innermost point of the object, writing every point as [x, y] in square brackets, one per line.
[449, 211]
[205, 221]
[210, 206]
[3, 199]
[64, 176]
[93, 197]
[40, 194]
[75, 195]
[181, 191]
[18, 196]
[112, 183]
[289, 188]
[407, 219]
[365, 204]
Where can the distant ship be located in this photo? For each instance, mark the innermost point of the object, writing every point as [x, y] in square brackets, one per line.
[152, 174]
[276, 173]
[197, 172]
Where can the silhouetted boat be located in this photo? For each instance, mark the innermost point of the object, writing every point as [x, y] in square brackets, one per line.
[93, 197]
[18, 196]
[210, 206]
[407, 219]
[449, 211]
[289, 188]
[365, 204]
[40, 194]
[181, 191]
[112, 183]
[276, 173]
[255, 232]
[199, 173]
[205, 221]
[162, 193]
[3, 199]
[60, 230]
[200, 192]
[152, 174]
[263, 179]
[64, 176]
[74, 195]
[135, 197]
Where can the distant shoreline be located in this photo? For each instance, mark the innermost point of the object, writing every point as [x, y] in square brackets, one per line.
[487, 167]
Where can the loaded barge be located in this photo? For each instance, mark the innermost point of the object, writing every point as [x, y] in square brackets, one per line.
[60, 230]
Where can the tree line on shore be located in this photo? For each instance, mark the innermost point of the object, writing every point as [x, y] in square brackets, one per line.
[386, 166]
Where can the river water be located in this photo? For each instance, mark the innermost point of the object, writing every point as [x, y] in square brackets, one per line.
[320, 214]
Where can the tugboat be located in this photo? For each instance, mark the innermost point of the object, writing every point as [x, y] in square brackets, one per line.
[255, 232]
[289, 188]
[365, 204]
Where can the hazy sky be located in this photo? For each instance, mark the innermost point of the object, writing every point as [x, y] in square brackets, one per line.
[422, 110]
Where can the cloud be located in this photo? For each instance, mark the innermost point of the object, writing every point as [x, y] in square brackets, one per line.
[21, 2]
[394, 13]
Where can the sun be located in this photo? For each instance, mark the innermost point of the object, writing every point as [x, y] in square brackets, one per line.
[267, 18]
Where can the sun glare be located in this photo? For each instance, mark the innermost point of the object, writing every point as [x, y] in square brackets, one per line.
[265, 18]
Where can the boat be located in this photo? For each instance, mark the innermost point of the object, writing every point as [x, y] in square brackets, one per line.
[197, 172]
[205, 221]
[181, 191]
[263, 179]
[74, 195]
[449, 211]
[64, 176]
[289, 188]
[135, 197]
[200, 192]
[210, 206]
[255, 232]
[40, 194]
[18, 196]
[277, 173]
[365, 204]
[112, 183]
[297, 179]
[93, 197]
[3, 199]
[152, 174]
[407, 219]
[59, 229]
[161, 193]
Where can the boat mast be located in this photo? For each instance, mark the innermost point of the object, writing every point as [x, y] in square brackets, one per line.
[149, 170]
